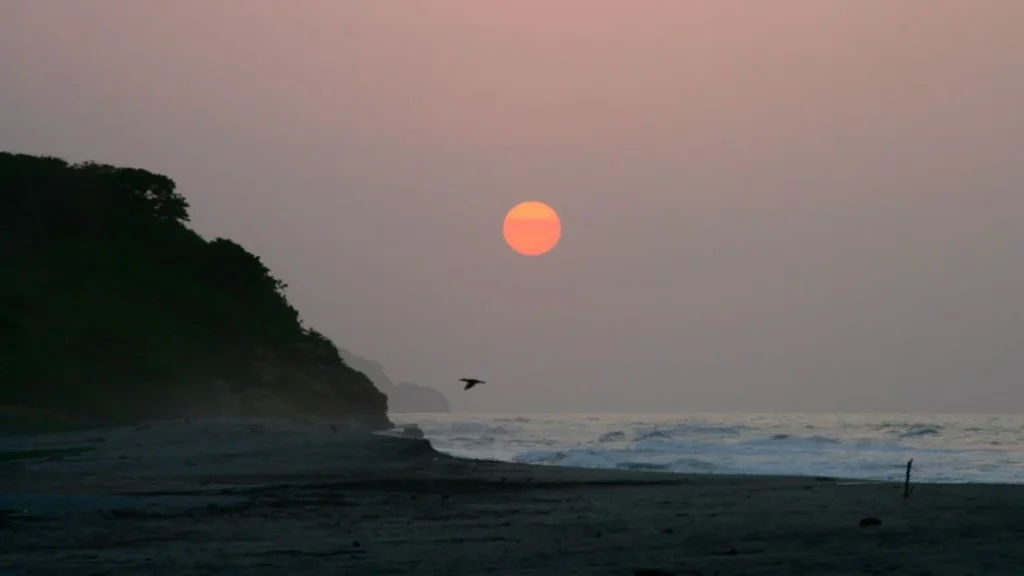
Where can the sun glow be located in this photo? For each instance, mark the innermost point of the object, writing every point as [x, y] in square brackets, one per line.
[532, 228]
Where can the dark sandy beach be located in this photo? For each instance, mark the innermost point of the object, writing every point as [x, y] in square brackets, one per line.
[255, 499]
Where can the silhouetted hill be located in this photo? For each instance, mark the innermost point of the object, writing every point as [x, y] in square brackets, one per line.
[404, 398]
[409, 397]
[112, 310]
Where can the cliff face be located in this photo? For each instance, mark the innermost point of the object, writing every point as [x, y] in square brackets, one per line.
[403, 398]
[112, 310]
[285, 384]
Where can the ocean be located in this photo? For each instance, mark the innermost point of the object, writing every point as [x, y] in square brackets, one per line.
[945, 448]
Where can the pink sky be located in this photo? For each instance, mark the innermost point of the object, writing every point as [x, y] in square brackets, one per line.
[776, 206]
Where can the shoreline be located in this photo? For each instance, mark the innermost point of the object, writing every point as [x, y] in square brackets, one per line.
[236, 498]
[60, 444]
[867, 447]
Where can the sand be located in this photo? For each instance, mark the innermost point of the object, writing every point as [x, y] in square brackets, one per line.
[286, 498]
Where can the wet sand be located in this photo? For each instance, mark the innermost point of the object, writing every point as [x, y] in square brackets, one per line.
[280, 498]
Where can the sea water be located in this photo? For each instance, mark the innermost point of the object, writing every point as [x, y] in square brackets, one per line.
[945, 448]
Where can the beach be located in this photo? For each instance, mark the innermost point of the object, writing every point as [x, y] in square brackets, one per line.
[300, 498]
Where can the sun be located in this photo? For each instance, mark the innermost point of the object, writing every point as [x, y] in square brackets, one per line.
[532, 228]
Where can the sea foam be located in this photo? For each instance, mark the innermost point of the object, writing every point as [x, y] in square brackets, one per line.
[947, 448]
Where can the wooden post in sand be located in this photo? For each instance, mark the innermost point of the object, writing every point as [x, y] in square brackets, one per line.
[907, 488]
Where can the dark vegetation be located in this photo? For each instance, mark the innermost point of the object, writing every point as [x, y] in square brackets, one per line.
[113, 310]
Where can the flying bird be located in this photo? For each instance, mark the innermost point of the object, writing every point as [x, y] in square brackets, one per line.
[470, 382]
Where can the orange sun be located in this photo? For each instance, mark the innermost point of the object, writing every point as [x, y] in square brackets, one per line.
[532, 228]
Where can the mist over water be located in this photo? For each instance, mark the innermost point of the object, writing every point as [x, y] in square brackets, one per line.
[945, 448]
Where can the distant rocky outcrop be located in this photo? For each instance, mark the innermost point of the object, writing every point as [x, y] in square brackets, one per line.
[403, 398]
[410, 397]
[112, 311]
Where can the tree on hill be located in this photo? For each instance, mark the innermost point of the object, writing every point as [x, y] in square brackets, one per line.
[111, 308]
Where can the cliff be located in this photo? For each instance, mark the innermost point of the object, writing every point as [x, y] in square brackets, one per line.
[403, 398]
[113, 311]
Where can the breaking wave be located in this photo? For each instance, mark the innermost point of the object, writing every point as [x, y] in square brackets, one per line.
[953, 449]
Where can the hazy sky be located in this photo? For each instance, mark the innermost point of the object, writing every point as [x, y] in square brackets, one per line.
[766, 206]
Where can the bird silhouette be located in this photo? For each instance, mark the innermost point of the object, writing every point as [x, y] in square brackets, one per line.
[470, 382]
